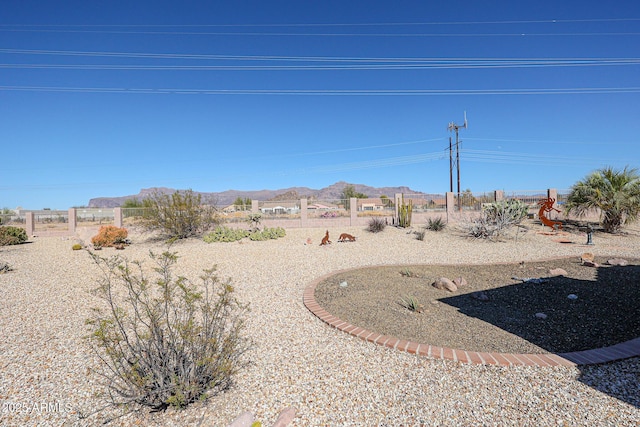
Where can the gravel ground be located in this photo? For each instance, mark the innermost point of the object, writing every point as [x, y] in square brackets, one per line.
[375, 298]
[332, 379]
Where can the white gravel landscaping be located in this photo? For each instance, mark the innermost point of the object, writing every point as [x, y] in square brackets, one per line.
[329, 377]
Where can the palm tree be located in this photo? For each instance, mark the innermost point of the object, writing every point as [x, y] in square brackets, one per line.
[615, 193]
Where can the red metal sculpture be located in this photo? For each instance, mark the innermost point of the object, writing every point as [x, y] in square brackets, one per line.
[546, 205]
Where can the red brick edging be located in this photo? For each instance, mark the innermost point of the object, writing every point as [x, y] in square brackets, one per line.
[587, 357]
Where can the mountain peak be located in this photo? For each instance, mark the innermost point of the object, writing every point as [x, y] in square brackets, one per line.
[225, 198]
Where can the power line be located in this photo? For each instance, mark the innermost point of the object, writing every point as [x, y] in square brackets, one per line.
[354, 24]
[328, 92]
[279, 34]
[486, 65]
[338, 59]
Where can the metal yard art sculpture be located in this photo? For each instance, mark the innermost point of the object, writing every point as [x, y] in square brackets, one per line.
[546, 205]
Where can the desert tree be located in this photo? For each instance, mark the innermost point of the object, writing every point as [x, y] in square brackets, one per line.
[179, 215]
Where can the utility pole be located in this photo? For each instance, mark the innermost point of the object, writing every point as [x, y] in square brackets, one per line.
[450, 166]
[456, 128]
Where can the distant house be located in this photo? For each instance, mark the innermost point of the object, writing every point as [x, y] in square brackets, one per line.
[280, 207]
[372, 204]
[423, 203]
[230, 209]
[323, 206]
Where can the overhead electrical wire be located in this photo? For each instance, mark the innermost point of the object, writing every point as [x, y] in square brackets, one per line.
[336, 59]
[328, 92]
[355, 24]
[287, 34]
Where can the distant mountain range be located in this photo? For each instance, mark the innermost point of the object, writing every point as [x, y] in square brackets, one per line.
[225, 198]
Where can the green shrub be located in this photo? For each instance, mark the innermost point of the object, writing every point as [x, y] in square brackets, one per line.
[165, 341]
[76, 247]
[436, 224]
[225, 234]
[254, 220]
[267, 234]
[109, 235]
[10, 235]
[510, 211]
[5, 267]
[496, 218]
[376, 225]
[179, 215]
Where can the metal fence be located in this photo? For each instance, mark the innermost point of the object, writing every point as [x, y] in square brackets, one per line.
[422, 203]
[293, 213]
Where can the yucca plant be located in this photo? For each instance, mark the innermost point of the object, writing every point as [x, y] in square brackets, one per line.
[436, 224]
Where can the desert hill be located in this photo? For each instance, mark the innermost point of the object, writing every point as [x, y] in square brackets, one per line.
[225, 198]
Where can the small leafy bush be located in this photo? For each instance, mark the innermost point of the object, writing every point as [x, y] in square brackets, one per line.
[10, 235]
[408, 273]
[165, 341]
[420, 234]
[254, 220]
[436, 224]
[496, 218]
[76, 247]
[376, 225]
[109, 235]
[267, 234]
[225, 234]
[5, 267]
[508, 212]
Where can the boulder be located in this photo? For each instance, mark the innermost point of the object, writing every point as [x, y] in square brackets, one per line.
[444, 284]
[557, 272]
[618, 261]
[587, 257]
[480, 296]
[244, 420]
[590, 264]
[460, 282]
[286, 416]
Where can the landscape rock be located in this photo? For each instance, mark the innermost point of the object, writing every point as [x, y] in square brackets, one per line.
[285, 417]
[587, 256]
[590, 264]
[460, 282]
[480, 296]
[572, 296]
[541, 315]
[618, 261]
[244, 420]
[444, 284]
[558, 272]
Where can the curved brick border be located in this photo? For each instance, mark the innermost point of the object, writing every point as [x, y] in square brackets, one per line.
[587, 357]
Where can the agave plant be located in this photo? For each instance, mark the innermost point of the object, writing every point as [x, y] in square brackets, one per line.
[411, 303]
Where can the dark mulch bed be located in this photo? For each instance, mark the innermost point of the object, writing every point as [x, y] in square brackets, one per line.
[606, 312]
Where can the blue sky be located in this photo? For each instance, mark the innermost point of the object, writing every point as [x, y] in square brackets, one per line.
[105, 98]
